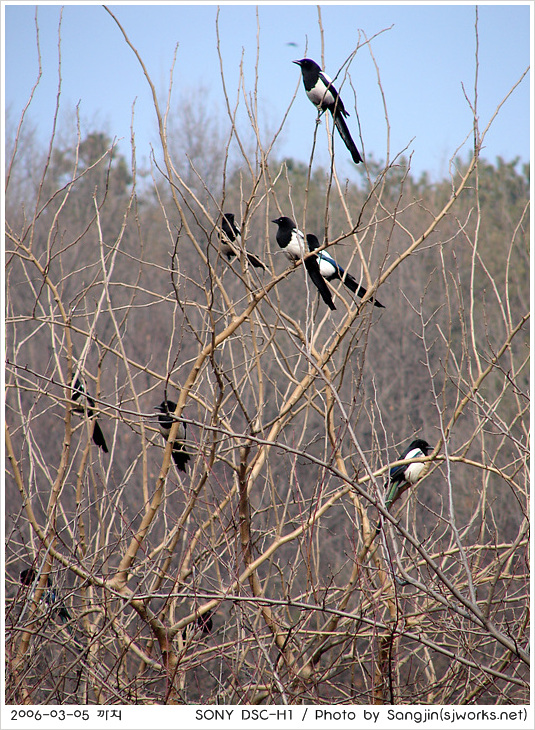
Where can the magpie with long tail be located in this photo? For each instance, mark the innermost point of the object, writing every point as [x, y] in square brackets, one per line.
[165, 421]
[203, 625]
[85, 405]
[28, 578]
[321, 92]
[403, 476]
[231, 240]
[292, 241]
[331, 270]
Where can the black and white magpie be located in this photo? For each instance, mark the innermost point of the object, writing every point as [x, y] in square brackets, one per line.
[292, 242]
[28, 577]
[204, 624]
[321, 92]
[231, 236]
[165, 421]
[331, 270]
[84, 404]
[403, 476]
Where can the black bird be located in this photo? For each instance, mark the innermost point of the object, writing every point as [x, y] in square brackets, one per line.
[28, 577]
[331, 270]
[204, 623]
[165, 421]
[404, 476]
[292, 242]
[321, 92]
[79, 394]
[231, 234]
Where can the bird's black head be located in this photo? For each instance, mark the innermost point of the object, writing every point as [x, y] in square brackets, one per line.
[167, 418]
[312, 241]
[307, 64]
[285, 223]
[229, 217]
[166, 406]
[422, 445]
[27, 576]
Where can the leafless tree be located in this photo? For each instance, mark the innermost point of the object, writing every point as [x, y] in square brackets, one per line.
[294, 416]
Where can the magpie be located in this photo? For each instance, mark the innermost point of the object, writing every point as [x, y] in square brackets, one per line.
[165, 421]
[403, 476]
[292, 242]
[204, 623]
[28, 577]
[321, 92]
[231, 234]
[79, 394]
[330, 270]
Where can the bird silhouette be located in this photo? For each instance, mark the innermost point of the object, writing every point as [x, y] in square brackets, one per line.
[165, 421]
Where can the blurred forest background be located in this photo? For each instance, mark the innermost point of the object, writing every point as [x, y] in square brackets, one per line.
[294, 414]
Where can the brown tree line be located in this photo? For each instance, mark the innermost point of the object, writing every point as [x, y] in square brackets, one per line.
[294, 415]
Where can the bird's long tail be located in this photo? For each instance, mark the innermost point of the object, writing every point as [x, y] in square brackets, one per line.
[378, 528]
[393, 492]
[346, 136]
[98, 437]
[256, 262]
[355, 287]
[180, 457]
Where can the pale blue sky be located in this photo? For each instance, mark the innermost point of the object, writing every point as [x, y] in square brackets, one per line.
[423, 59]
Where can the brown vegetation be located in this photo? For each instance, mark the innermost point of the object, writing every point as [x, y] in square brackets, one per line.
[294, 415]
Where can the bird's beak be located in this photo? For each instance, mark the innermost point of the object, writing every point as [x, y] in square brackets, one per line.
[297, 62]
[276, 219]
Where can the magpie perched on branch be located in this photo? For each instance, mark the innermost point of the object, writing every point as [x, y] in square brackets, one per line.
[165, 421]
[331, 270]
[321, 92]
[292, 242]
[204, 623]
[230, 235]
[79, 395]
[28, 577]
[403, 476]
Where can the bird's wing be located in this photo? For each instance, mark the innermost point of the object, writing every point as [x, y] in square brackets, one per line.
[328, 268]
[226, 229]
[326, 80]
[77, 388]
[237, 228]
[397, 473]
[323, 94]
[332, 97]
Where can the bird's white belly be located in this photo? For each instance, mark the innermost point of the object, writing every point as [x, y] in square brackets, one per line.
[413, 472]
[319, 94]
[295, 249]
